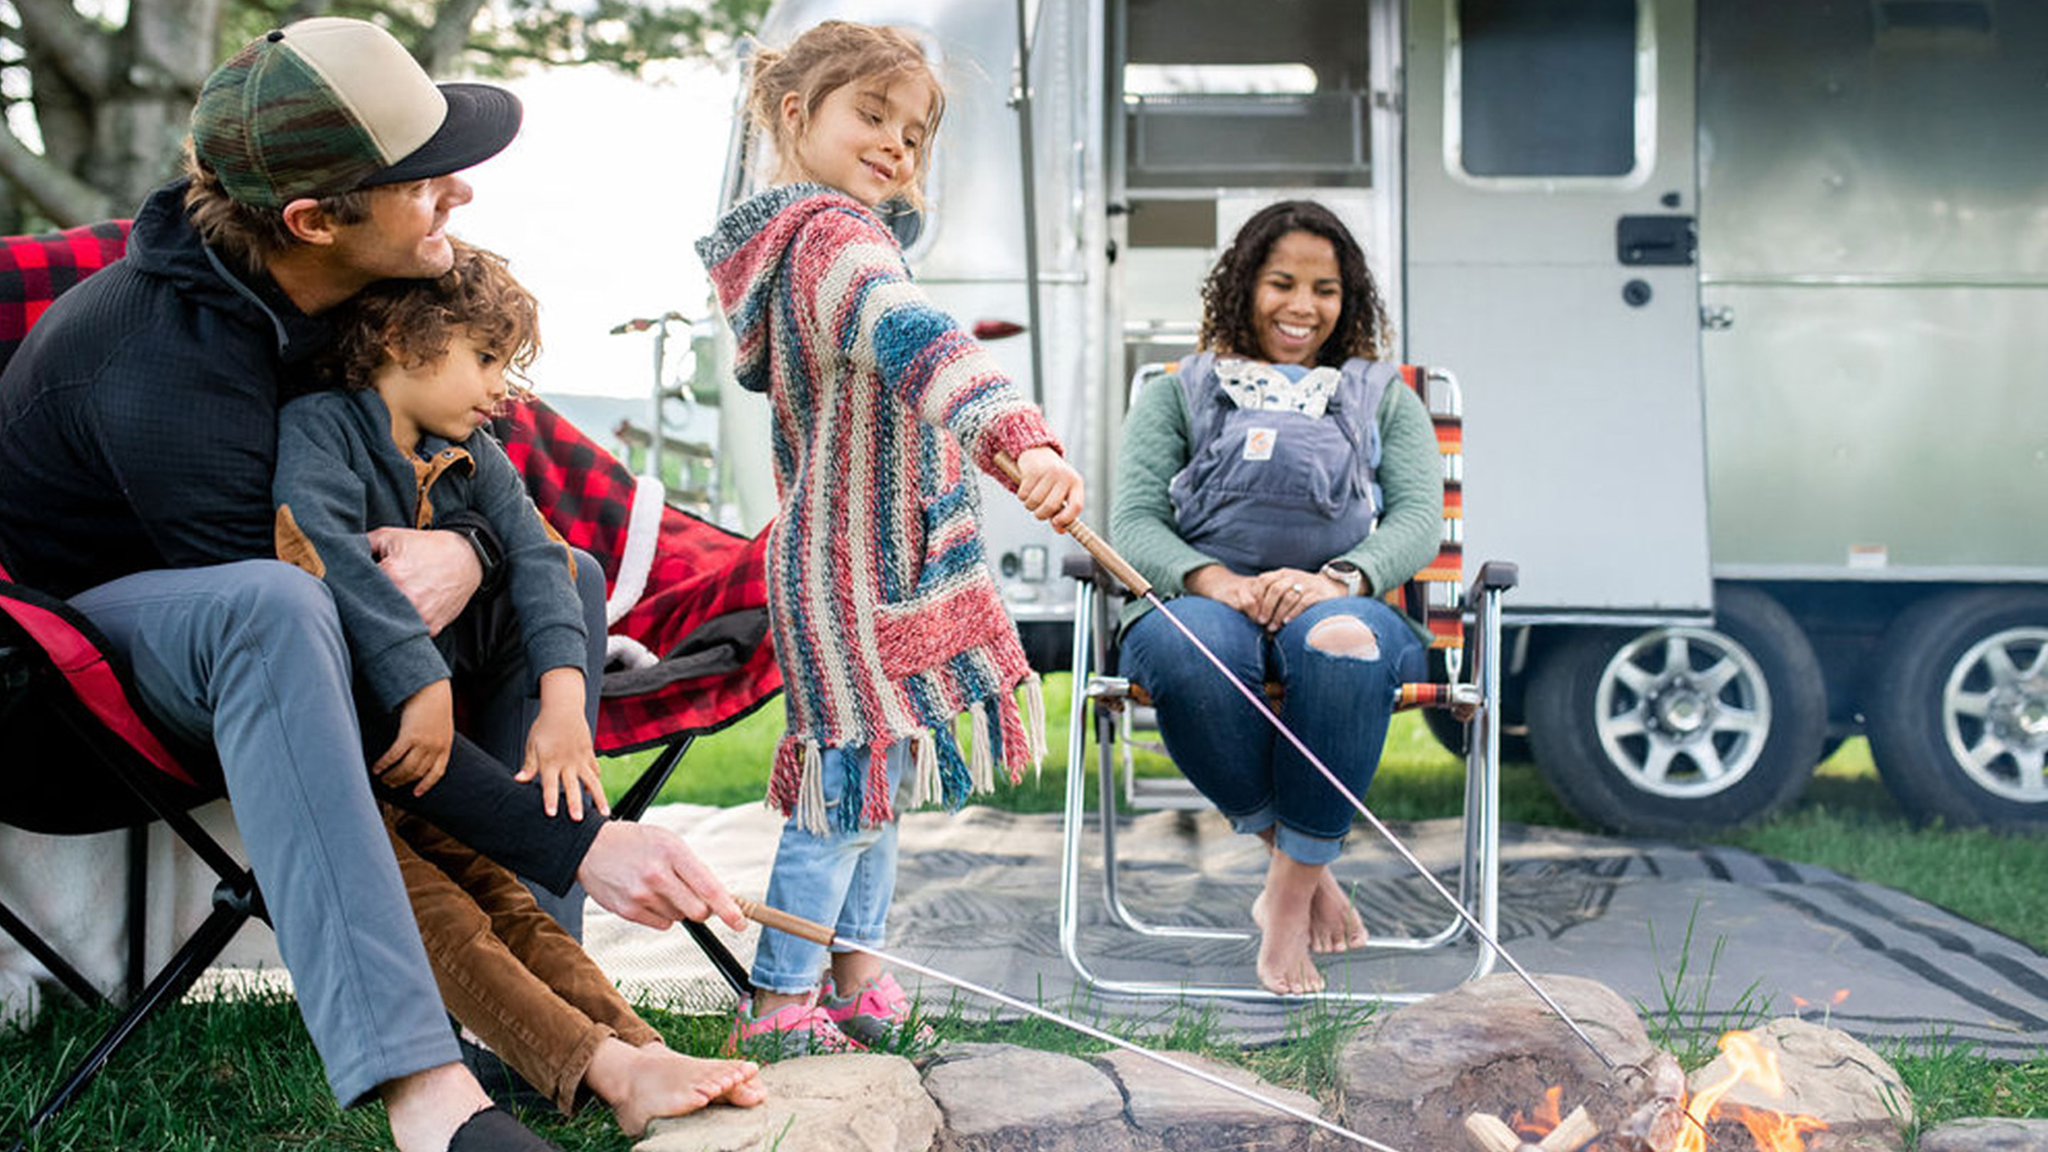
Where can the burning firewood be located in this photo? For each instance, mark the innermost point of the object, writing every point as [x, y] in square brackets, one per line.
[1490, 1134]
[1655, 1125]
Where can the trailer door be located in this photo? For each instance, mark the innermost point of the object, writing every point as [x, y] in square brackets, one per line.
[1550, 203]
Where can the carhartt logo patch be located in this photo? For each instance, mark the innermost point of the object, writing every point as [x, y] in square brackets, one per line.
[1258, 443]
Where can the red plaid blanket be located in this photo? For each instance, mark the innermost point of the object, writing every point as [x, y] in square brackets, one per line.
[35, 270]
[704, 611]
[705, 608]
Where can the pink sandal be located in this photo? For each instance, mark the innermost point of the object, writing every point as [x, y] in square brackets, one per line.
[875, 1015]
[800, 1029]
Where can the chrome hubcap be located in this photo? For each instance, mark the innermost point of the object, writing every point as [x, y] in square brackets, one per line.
[1682, 712]
[1994, 713]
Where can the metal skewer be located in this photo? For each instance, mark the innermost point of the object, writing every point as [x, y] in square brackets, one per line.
[1130, 578]
[817, 933]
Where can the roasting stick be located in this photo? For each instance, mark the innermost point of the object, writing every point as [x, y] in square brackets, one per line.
[1130, 578]
[819, 934]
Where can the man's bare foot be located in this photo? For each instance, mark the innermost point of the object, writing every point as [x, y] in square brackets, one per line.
[425, 1108]
[643, 1083]
[1282, 913]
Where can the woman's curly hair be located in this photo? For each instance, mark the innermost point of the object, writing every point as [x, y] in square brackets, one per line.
[1362, 329]
[411, 321]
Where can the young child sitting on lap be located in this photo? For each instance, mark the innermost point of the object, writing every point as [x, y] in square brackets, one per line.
[423, 366]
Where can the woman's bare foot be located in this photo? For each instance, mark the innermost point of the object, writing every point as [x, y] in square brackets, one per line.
[1282, 913]
[1333, 924]
[643, 1083]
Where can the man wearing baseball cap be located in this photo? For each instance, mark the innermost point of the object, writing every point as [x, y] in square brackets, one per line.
[138, 427]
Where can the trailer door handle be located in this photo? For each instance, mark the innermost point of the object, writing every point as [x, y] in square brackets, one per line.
[1654, 240]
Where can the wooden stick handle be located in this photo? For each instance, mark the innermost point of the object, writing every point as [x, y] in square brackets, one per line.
[778, 919]
[1096, 546]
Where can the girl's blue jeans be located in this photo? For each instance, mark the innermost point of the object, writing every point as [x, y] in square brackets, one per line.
[1339, 705]
[845, 879]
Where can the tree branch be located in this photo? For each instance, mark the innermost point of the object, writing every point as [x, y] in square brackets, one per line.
[70, 42]
[438, 50]
[59, 195]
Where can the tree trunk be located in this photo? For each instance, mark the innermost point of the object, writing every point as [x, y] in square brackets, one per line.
[166, 51]
[441, 47]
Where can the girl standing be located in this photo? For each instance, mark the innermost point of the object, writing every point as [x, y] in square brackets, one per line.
[886, 620]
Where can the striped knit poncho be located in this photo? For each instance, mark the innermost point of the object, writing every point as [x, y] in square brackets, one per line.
[887, 623]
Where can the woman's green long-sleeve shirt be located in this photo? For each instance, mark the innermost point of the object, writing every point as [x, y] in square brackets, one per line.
[1155, 448]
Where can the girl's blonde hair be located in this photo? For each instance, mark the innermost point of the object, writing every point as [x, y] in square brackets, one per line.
[825, 59]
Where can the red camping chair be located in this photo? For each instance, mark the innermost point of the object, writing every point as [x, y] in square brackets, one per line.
[64, 700]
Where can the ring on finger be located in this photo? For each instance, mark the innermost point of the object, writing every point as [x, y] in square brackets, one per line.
[1297, 589]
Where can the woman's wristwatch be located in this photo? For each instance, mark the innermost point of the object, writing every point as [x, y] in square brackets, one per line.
[1346, 573]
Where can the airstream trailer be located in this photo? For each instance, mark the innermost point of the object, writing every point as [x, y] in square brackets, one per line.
[1739, 293]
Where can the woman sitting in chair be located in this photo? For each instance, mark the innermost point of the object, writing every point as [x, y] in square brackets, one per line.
[1278, 484]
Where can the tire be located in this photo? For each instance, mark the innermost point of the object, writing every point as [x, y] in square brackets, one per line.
[1958, 712]
[1674, 730]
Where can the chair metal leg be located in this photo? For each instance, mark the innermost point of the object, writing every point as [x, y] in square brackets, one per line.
[641, 793]
[49, 958]
[631, 806]
[1478, 865]
[234, 901]
[138, 908]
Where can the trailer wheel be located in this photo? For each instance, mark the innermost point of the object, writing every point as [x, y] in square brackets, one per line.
[1675, 729]
[1958, 715]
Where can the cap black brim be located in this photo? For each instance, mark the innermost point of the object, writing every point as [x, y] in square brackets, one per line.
[482, 119]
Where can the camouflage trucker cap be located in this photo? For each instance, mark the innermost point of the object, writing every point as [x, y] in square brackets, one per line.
[328, 105]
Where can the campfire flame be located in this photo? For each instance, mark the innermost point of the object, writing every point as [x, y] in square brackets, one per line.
[1748, 1060]
[1772, 1131]
[1547, 1116]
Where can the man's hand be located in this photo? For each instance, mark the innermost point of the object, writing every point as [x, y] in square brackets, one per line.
[437, 571]
[650, 876]
[426, 731]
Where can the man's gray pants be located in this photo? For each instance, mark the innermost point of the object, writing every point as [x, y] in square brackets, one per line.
[249, 657]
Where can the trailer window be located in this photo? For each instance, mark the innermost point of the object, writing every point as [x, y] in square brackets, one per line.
[1546, 88]
[1213, 99]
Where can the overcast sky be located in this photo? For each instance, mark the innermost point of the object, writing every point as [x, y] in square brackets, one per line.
[597, 203]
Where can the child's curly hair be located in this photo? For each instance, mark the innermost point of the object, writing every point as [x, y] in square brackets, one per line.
[411, 321]
[1362, 329]
[830, 56]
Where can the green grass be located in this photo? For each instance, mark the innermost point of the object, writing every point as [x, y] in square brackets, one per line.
[240, 1074]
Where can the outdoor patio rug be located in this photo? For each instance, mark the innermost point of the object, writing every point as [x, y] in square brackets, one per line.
[1724, 935]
